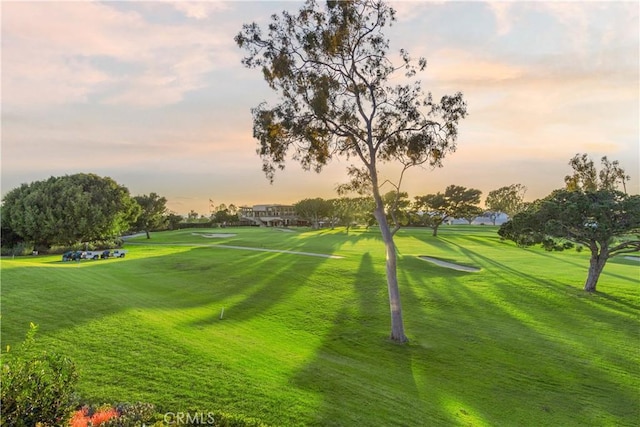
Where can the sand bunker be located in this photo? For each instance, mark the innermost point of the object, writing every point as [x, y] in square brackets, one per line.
[215, 235]
[450, 265]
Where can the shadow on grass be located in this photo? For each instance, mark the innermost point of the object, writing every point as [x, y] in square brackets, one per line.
[363, 378]
[515, 347]
[500, 347]
[629, 307]
[474, 358]
[553, 256]
[62, 295]
[265, 287]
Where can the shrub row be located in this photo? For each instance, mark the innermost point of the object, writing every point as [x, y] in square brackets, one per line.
[25, 248]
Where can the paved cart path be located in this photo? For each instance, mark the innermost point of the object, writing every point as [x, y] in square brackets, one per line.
[449, 264]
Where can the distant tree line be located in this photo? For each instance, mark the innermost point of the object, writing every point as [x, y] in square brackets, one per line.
[430, 210]
[87, 209]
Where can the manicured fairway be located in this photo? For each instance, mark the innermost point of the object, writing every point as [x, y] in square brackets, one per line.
[303, 339]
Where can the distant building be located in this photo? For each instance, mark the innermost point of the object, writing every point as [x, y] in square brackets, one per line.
[270, 215]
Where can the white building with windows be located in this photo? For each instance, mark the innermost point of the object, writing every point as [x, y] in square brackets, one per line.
[274, 215]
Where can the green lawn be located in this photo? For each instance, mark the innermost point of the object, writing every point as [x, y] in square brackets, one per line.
[303, 339]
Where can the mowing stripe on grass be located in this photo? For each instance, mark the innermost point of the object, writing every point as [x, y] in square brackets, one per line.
[245, 248]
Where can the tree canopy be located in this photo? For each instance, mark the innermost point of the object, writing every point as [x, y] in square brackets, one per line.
[353, 210]
[508, 199]
[586, 178]
[314, 210]
[604, 221]
[339, 96]
[69, 209]
[152, 213]
[456, 202]
[590, 211]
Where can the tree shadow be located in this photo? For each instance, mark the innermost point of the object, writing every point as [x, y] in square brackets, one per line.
[499, 330]
[271, 287]
[195, 276]
[344, 363]
[622, 306]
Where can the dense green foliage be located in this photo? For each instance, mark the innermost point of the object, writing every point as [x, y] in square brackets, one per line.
[508, 199]
[303, 339]
[69, 209]
[604, 221]
[314, 210]
[37, 387]
[153, 210]
[455, 202]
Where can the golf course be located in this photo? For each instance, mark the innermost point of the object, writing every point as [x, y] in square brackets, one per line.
[291, 327]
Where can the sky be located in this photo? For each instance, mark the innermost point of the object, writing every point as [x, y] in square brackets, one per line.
[153, 95]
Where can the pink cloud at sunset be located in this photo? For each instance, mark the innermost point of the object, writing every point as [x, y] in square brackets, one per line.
[154, 95]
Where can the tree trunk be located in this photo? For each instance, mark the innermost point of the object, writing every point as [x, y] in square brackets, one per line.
[596, 265]
[435, 230]
[148, 235]
[397, 325]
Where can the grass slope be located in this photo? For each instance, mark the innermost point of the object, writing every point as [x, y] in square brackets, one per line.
[303, 339]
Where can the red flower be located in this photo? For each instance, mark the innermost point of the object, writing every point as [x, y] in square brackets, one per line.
[81, 417]
[102, 416]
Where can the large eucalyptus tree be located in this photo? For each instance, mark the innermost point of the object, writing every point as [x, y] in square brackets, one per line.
[341, 95]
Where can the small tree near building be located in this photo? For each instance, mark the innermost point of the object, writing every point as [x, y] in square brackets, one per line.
[314, 210]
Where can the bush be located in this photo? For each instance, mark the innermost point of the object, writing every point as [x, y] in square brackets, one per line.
[19, 249]
[121, 415]
[36, 388]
